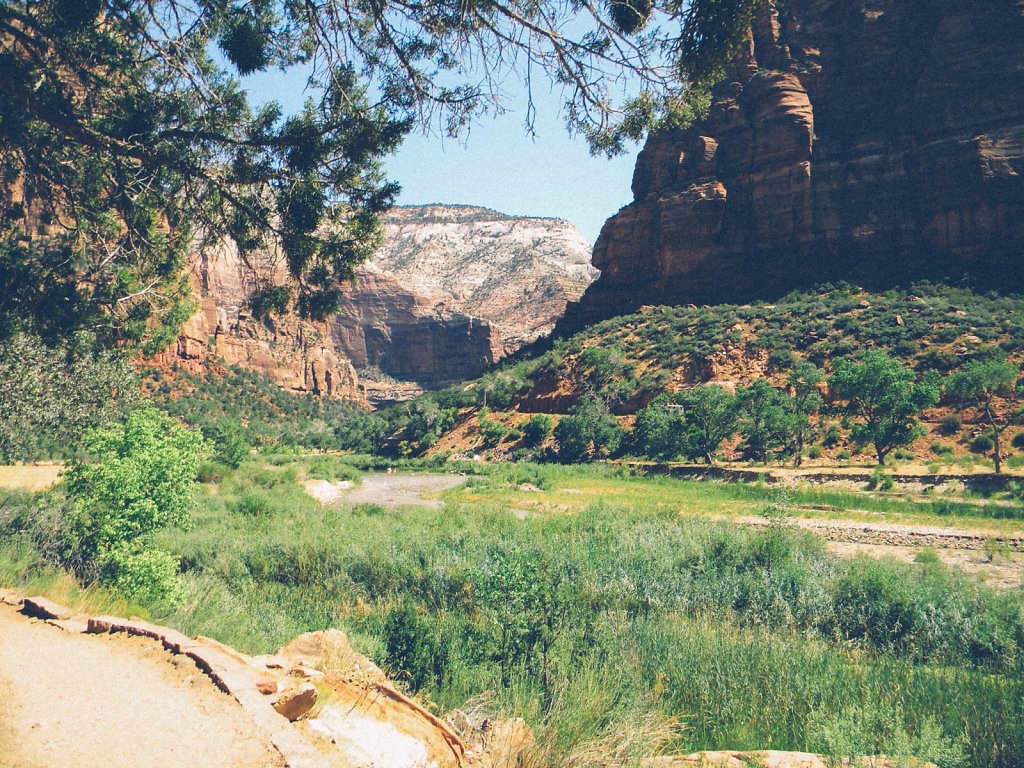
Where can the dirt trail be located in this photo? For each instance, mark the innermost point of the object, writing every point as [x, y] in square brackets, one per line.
[1002, 566]
[390, 490]
[112, 701]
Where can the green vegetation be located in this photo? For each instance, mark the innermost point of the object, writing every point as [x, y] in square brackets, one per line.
[978, 384]
[240, 408]
[621, 615]
[50, 395]
[890, 352]
[884, 394]
[589, 431]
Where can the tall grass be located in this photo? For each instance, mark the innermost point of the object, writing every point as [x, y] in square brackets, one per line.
[622, 629]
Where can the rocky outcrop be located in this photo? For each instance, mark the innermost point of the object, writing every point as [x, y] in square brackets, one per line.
[382, 324]
[297, 355]
[319, 702]
[877, 142]
[453, 290]
[518, 273]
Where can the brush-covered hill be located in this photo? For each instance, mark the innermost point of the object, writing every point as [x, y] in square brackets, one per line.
[629, 360]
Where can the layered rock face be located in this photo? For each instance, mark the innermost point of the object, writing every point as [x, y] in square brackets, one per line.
[295, 354]
[878, 142]
[382, 324]
[518, 273]
[453, 290]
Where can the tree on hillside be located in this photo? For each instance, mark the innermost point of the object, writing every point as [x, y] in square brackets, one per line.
[589, 431]
[887, 396]
[710, 413]
[126, 138]
[765, 419]
[660, 429]
[805, 400]
[977, 385]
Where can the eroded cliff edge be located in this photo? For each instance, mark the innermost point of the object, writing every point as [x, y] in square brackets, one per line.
[876, 142]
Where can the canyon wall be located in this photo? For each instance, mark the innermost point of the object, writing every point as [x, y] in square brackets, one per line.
[516, 272]
[876, 142]
[453, 290]
[297, 355]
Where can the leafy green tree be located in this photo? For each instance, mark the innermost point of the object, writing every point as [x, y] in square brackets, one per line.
[660, 429]
[49, 396]
[362, 432]
[977, 385]
[537, 429]
[590, 430]
[804, 401]
[887, 396]
[138, 478]
[230, 445]
[710, 413]
[765, 418]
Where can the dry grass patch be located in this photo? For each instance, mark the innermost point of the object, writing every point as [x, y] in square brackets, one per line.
[30, 477]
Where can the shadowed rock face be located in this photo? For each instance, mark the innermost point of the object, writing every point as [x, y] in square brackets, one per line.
[877, 142]
[382, 324]
[454, 289]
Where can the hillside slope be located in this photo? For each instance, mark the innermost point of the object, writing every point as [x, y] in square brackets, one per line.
[627, 361]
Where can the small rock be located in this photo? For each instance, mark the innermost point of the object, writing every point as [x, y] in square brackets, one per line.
[41, 608]
[294, 704]
[864, 304]
[267, 687]
[899, 320]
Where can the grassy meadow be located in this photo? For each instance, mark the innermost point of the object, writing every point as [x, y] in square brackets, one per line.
[616, 616]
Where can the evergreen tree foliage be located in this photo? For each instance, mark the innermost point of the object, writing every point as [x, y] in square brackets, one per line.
[127, 139]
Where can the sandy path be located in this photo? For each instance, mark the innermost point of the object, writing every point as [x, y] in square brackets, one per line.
[399, 489]
[959, 547]
[113, 701]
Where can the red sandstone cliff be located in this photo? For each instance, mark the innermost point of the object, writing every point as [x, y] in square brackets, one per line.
[878, 142]
[453, 290]
[295, 354]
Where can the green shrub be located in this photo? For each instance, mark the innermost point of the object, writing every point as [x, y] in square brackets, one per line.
[982, 443]
[137, 479]
[881, 480]
[1018, 441]
[927, 556]
[250, 504]
[951, 424]
[537, 429]
[211, 472]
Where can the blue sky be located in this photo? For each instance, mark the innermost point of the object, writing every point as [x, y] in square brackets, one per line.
[497, 165]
